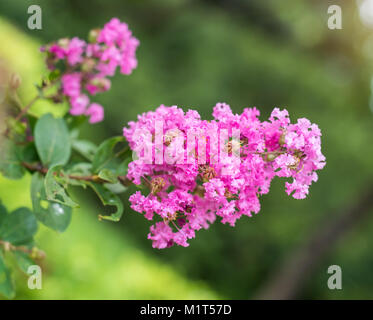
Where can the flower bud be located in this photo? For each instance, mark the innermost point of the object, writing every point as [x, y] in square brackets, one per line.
[37, 254]
[169, 137]
[6, 246]
[157, 184]
[15, 81]
[207, 172]
[57, 98]
[181, 222]
[102, 84]
[281, 141]
[88, 65]
[233, 145]
[228, 194]
[63, 43]
[93, 35]
[270, 156]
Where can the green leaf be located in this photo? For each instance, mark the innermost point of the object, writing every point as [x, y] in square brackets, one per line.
[6, 282]
[52, 140]
[54, 191]
[122, 169]
[80, 169]
[86, 148]
[3, 214]
[23, 260]
[108, 175]
[18, 227]
[108, 199]
[10, 162]
[116, 188]
[29, 153]
[54, 215]
[74, 122]
[105, 156]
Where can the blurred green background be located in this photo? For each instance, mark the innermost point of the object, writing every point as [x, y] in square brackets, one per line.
[193, 54]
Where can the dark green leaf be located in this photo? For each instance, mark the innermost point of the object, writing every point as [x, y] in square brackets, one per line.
[80, 169]
[74, 122]
[52, 140]
[122, 169]
[86, 148]
[29, 153]
[23, 260]
[74, 133]
[55, 191]
[53, 215]
[32, 120]
[116, 188]
[19, 226]
[108, 199]
[6, 282]
[10, 162]
[105, 154]
[3, 214]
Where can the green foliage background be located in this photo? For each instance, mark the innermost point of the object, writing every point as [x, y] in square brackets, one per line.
[194, 54]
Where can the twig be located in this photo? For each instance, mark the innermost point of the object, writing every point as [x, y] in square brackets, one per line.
[22, 114]
[296, 270]
[27, 108]
[94, 178]
[32, 252]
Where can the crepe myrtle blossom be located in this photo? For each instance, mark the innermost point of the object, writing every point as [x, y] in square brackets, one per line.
[198, 170]
[87, 66]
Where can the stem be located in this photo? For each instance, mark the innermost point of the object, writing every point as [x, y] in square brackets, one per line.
[93, 178]
[24, 110]
[27, 108]
[9, 247]
[22, 114]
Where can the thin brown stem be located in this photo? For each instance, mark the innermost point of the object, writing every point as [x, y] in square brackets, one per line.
[34, 252]
[21, 114]
[93, 178]
[26, 108]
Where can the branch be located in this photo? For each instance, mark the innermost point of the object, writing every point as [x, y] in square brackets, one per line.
[27, 108]
[22, 113]
[295, 271]
[94, 178]
[34, 252]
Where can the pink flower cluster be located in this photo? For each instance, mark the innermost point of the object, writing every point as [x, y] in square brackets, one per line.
[185, 197]
[87, 66]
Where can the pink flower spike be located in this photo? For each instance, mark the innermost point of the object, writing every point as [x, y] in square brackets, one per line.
[87, 66]
[221, 187]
